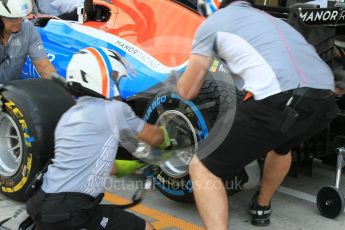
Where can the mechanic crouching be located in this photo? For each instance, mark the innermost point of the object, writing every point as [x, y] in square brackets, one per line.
[19, 39]
[293, 99]
[86, 142]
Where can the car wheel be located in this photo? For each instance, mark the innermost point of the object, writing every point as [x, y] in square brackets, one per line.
[30, 110]
[194, 120]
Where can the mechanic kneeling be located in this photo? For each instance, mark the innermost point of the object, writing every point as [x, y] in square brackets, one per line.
[86, 141]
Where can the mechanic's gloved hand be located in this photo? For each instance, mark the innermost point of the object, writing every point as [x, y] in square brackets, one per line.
[127, 167]
[58, 79]
[166, 142]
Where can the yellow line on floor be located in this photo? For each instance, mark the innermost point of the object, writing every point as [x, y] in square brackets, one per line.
[163, 220]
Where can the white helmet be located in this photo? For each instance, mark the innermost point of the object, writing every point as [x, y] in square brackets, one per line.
[208, 7]
[94, 72]
[15, 8]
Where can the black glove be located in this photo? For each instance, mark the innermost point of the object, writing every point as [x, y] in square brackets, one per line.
[59, 80]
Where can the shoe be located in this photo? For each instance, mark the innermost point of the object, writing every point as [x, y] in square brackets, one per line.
[260, 214]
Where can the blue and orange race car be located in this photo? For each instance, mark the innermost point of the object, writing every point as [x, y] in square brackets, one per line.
[154, 42]
[155, 38]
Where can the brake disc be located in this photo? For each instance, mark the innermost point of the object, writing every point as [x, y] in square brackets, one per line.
[175, 159]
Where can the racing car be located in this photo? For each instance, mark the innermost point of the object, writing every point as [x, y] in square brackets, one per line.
[154, 42]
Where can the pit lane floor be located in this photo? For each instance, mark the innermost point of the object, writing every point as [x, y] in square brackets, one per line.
[293, 206]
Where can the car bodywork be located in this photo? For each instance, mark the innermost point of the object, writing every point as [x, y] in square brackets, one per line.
[153, 40]
[156, 41]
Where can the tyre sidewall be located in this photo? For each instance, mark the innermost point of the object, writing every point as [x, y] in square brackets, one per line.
[35, 105]
[176, 188]
[16, 185]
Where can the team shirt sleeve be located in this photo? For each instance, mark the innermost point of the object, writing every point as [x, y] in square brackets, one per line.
[36, 50]
[204, 40]
[128, 120]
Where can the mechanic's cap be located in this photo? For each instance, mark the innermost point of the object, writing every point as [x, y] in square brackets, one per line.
[94, 72]
[15, 8]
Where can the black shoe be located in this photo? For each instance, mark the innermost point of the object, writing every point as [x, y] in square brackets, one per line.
[260, 214]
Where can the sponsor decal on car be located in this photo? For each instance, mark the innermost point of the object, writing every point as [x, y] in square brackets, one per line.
[121, 45]
[30, 70]
[139, 54]
[154, 105]
[174, 183]
[217, 66]
[322, 16]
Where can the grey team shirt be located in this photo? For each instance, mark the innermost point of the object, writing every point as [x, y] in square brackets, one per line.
[27, 42]
[86, 142]
[265, 55]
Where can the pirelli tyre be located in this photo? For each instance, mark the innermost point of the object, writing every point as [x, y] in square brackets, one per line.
[194, 118]
[30, 110]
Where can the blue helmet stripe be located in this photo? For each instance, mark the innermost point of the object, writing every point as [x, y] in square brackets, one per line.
[212, 6]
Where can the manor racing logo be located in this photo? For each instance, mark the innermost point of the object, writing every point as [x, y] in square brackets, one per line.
[322, 16]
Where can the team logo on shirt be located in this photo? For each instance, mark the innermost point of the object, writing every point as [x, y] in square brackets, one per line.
[16, 42]
[4, 3]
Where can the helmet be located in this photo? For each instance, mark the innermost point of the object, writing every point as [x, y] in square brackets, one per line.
[15, 8]
[95, 72]
[207, 7]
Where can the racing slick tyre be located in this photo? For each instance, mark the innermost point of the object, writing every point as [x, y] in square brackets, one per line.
[193, 119]
[30, 110]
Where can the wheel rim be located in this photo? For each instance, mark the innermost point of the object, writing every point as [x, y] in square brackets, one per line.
[11, 149]
[330, 202]
[180, 128]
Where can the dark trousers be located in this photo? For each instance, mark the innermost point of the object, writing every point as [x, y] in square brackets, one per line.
[75, 211]
[257, 129]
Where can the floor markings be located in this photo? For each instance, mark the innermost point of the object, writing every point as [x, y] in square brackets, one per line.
[162, 220]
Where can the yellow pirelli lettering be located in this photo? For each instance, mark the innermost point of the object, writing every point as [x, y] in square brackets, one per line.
[17, 112]
[7, 190]
[23, 124]
[24, 179]
[9, 104]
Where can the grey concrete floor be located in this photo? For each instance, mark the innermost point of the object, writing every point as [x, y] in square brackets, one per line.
[293, 207]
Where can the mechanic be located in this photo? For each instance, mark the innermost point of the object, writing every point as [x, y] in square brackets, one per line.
[293, 99]
[19, 39]
[66, 10]
[86, 142]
